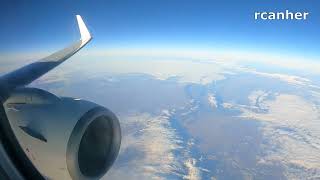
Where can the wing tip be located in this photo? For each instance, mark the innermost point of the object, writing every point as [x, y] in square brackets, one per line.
[84, 32]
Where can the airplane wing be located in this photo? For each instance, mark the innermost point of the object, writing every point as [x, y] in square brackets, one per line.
[33, 71]
[14, 164]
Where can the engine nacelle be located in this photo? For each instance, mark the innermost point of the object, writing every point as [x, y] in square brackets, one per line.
[64, 137]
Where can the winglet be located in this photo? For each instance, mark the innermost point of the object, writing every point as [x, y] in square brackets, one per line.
[84, 32]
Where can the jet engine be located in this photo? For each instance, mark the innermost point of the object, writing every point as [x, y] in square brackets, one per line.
[65, 138]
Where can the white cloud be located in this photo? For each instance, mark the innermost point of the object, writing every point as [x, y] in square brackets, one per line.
[153, 142]
[212, 100]
[292, 129]
[193, 171]
[296, 80]
[186, 71]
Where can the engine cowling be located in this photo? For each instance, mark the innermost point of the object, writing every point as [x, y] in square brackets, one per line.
[64, 137]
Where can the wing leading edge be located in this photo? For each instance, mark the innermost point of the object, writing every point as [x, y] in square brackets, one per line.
[25, 75]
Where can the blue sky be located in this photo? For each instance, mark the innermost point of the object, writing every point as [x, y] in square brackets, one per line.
[32, 26]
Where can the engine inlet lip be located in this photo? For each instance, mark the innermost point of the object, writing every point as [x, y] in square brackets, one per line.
[76, 137]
